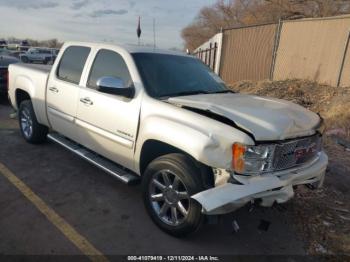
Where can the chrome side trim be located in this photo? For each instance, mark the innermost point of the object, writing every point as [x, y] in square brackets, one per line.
[113, 137]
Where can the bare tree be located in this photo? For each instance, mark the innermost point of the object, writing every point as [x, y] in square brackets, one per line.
[235, 13]
[51, 43]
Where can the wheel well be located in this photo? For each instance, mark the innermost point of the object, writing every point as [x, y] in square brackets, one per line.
[153, 149]
[21, 96]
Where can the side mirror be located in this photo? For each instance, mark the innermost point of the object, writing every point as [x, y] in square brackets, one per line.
[114, 85]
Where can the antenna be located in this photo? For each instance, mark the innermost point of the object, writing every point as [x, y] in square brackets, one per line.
[154, 32]
[138, 30]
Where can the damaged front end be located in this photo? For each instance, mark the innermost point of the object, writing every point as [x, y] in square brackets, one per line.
[285, 149]
[267, 172]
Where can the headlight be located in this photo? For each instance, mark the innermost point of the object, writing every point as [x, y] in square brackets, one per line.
[252, 160]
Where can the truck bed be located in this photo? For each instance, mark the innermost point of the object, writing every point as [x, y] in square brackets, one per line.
[36, 67]
[32, 79]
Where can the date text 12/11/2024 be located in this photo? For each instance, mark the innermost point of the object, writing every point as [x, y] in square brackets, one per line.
[173, 258]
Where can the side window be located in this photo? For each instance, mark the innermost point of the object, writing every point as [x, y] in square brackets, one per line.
[108, 63]
[42, 51]
[72, 63]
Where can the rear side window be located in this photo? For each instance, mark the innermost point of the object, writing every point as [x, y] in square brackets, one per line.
[72, 63]
[44, 51]
[108, 63]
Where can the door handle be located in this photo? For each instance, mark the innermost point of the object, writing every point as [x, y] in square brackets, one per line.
[86, 101]
[53, 89]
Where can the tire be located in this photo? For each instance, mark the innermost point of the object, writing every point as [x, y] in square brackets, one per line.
[25, 59]
[31, 130]
[166, 195]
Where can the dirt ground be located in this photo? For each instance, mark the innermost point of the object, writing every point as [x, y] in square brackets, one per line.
[323, 214]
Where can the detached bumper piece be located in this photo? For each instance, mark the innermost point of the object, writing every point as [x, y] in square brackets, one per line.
[270, 188]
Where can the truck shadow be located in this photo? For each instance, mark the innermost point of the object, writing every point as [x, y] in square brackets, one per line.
[4, 100]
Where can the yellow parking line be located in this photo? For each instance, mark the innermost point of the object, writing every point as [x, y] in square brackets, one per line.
[78, 240]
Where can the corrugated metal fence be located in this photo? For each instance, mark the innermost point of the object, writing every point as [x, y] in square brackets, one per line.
[247, 53]
[315, 49]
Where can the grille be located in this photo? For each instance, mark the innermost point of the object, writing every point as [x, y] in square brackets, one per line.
[296, 152]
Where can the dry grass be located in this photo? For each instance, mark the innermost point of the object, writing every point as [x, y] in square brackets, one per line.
[333, 103]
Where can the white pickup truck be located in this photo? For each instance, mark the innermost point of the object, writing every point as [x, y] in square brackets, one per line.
[164, 118]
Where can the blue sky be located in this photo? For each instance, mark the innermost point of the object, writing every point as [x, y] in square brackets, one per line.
[99, 20]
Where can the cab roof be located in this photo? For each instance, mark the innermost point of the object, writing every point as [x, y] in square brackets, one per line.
[130, 48]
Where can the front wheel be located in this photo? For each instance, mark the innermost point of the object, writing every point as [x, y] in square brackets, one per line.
[168, 183]
[31, 130]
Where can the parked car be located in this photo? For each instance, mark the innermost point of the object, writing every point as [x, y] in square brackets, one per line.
[41, 55]
[164, 118]
[24, 45]
[13, 45]
[5, 61]
[17, 54]
[3, 43]
[5, 52]
[19, 45]
[55, 54]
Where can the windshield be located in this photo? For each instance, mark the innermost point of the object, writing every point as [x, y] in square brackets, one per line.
[172, 75]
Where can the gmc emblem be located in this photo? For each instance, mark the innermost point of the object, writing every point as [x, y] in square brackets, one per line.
[301, 152]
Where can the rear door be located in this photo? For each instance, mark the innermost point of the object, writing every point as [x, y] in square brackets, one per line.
[63, 90]
[108, 123]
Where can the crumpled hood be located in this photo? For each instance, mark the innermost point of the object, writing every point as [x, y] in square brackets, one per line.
[265, 118]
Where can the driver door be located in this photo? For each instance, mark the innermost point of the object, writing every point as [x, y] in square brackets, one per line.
[108, 123]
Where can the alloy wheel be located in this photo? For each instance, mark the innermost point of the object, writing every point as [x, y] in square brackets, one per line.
[26, 123]
[169, 197]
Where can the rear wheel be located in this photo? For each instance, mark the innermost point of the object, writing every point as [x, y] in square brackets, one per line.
[31, 130]
[168, 183]
[25, 59]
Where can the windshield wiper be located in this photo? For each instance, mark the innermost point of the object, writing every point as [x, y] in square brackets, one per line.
[197, 92]
[222, 91]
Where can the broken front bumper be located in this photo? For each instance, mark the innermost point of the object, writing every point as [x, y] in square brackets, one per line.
[270, 188]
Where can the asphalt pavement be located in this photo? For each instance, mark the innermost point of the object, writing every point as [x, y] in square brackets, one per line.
[109, 214]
